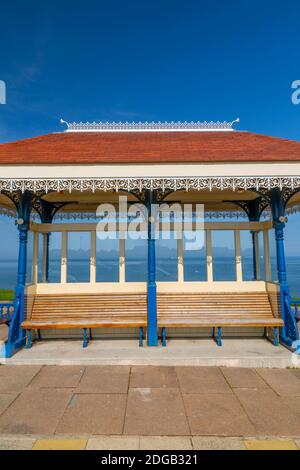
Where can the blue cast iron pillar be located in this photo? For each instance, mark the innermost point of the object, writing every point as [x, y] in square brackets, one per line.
[152, 333]
[289, 332]
[255, 208]
[16, 336]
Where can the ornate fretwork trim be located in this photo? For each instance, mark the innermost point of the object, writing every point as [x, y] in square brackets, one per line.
[287, 192]
[47, 210]
[148, 126]
[213, 214]
[253, 208]
[258, 184]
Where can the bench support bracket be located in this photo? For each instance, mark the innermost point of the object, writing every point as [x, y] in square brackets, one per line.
[219, 336]
[276, 336]
[28, 342]
[163, 336]
[218, 339]
[85, 338]
[141, 336]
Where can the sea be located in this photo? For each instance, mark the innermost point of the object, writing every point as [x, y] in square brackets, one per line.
[136, 270]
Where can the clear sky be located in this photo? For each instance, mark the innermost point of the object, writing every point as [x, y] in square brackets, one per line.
[149, 60]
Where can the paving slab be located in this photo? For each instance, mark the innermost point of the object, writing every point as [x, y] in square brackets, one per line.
[153, 377]
[291, 402]
[296, 372]
[58, 377]
[268, 414]
[16, 443]
[94, 414]
[35, 412]
[60, 444]
[270, 444]
[242, 377]
[113, 443]
[217, 443]
[104, 379]
[282, 381]
[297, 441]
[155, 412]
[16, 378]
[5, 400]
[202, 380]
[216, 414]
[166, 443]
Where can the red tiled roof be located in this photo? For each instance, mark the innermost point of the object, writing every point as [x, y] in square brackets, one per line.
[149, 147]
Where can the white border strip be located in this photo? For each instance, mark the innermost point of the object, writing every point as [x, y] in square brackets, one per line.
[138, 184]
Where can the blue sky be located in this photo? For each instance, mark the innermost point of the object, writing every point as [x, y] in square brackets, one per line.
[158, 60]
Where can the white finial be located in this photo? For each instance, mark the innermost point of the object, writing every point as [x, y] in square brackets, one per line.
[236, 120]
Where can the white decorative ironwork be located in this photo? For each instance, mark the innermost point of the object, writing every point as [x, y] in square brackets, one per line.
[149, 126]
[209, 214]
[138, 184]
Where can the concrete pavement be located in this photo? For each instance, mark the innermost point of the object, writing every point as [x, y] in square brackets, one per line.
[235, 352]
[140, 406]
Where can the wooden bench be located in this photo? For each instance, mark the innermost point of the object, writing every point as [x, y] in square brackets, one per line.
[178, 310]
[215, 311]
[87, 311]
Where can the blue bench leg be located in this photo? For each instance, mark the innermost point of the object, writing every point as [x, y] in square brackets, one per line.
[85, 339]
[163, 336]
[276, 336]
[213, 332]
[39, 334]
[141, 337]
[91, 336]
[28, 342]
[219, 336]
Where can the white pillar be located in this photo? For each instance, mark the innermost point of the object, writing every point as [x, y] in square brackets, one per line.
[267, 255]
[44, 259]
[238, 258]
[122, 260]
[180, 260]
[257, 256]
[93, 258]
[64, 257]
[35, 260]
[209, 259]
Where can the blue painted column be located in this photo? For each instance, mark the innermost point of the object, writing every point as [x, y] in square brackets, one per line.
[47, 256]
[289, 333]
[254, 255]
[16, 336]
[46, 245]
[254, 216]
[152, 334]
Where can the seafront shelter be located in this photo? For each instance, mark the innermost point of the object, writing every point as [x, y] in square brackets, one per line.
[235, 184]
